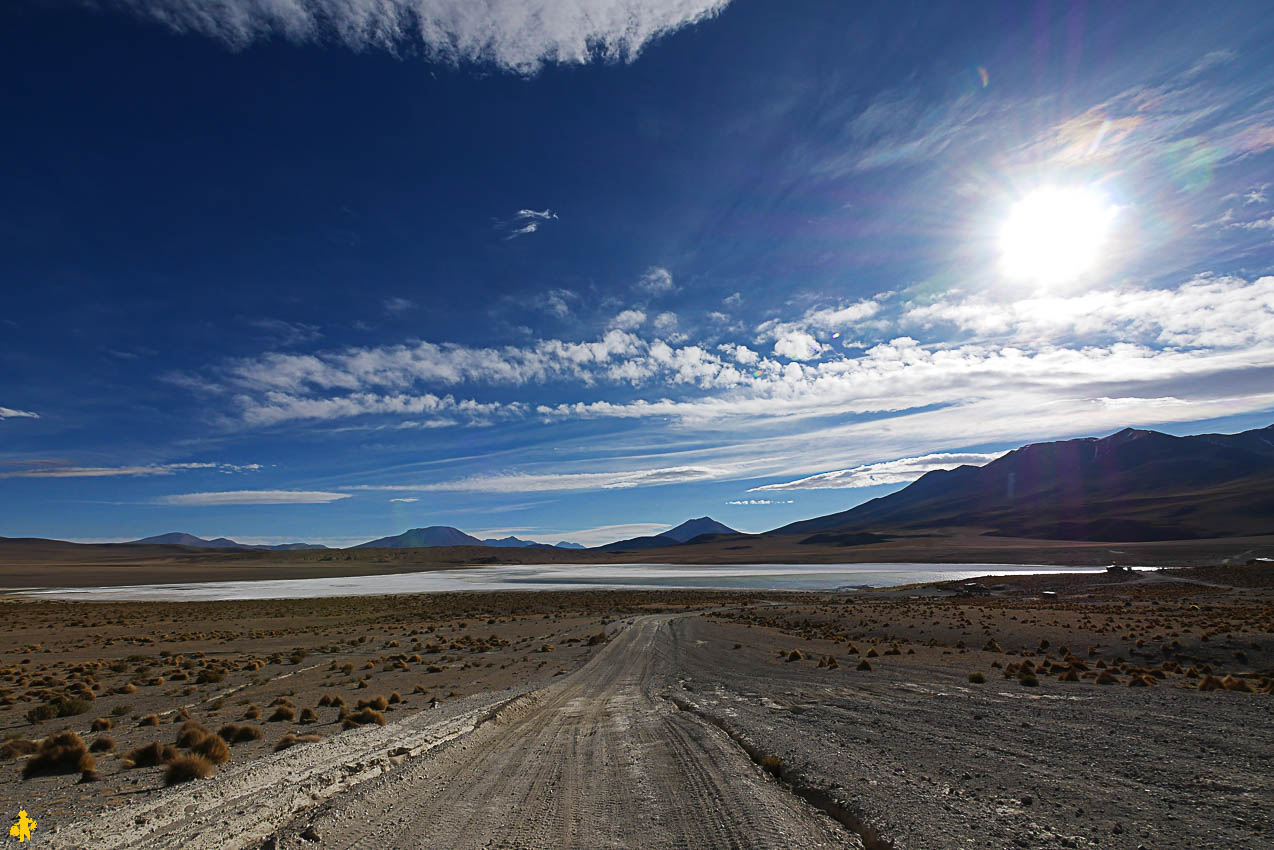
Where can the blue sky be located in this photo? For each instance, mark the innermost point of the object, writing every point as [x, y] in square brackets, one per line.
[582, 269]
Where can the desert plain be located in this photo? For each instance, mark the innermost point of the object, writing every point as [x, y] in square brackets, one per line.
[1083, 710]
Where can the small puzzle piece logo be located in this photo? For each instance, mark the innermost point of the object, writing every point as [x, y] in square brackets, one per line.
[23, 828]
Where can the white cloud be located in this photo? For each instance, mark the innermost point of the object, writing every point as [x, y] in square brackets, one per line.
[733, 300]
[601, 534]
[797, 345]
[45, 469]
[398, 305]
[10, 413]
[525, 222]
[281, 332]
[556, 301]
[1220, 312]
[761, 502]
[515, 35]
[655, 281]
[1257, 224]
[276, 407]
[405, 499]
[629, 320]
[522, 482]
[885, 472]
[253, 497]
[665, 322]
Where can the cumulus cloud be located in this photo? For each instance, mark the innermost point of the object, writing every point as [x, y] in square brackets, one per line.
[53, 469]
[556, 301]
[514, 35]
[797, 345]
[827, 319]
[10, 413]
[655, 281]
[885, 472]
[629, 320]
[665, 322]
[253, 497]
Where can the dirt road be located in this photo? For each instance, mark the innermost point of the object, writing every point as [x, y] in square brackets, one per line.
[600, 759]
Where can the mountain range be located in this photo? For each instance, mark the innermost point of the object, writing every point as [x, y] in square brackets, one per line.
[178, 538]
[1132, 486]
[445, 535]
[1135, 485]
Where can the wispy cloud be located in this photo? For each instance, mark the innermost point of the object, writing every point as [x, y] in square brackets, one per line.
[404, 499]
[283, 333]
[886, 472]
[396, 305]
[523, 482]
[253, 497]
[515, 35]
[52, 469]
[10, 413]
[525, 222]
[655, 281]
[761, 502]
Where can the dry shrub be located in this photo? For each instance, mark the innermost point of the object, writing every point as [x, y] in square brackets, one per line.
[309, 715]
[863, 665]
[1210, 683]
[395, 698]
[872, 653]
[377, 702]
[1107, 678]
[1141, 680]
[795, 655]
[282, 701]
[363, 717]
[253, 713]
[212, 748]
[63, 752]
[103, 744]
[232, 733]
[1068, 676]
[15, 747]
[149, 720]
[977, 678]
[102, 724]
[188, 767]
[282, 713]
[291, 740]
[773, 764]
[192, 731]
[150, 755]
[1234, 683]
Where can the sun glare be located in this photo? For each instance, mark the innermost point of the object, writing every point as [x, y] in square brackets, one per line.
[1055, 234]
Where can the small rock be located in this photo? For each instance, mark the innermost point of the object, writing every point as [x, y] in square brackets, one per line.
[310, 834]
[1027, 800]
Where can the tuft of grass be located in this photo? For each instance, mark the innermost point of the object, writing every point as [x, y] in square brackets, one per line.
[150, 755]
[192, 732]
[363, 717]
[63, 752]
[149, 720]
[1028, 680]
[212, 748]
[186, 768]
[1234, 683]
[103, 744]
[102, 724]
[15, 747]
[773, 764]
[977, 678]
[121, 710]
[282, 713]
[253, 713]
[291, 740]
[377, 702]
[232, 733]
[309, 715]
[864, 665]
[1210, 683]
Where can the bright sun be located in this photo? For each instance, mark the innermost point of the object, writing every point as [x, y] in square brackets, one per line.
[1055, 234]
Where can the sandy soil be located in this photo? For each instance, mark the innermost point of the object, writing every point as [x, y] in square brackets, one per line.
[707, 720]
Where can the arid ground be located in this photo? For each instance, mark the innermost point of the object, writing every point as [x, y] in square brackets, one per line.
[1124, 711]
